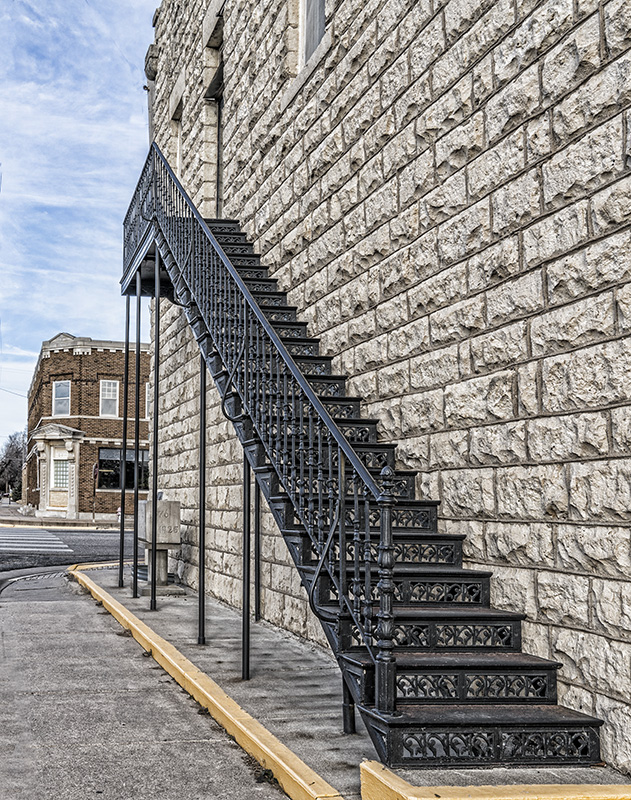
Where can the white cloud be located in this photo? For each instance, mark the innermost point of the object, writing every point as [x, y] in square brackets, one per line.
[73, 138]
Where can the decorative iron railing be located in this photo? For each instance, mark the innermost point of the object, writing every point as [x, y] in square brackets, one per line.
[310, 455]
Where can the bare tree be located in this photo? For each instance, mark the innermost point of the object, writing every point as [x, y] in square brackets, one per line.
[11, 460]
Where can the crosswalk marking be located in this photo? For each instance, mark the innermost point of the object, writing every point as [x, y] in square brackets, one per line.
[37, 541]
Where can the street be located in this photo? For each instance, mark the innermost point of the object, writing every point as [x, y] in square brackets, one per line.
[25, 547]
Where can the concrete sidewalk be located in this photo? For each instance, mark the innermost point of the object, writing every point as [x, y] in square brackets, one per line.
[85, 715]
[295, 692]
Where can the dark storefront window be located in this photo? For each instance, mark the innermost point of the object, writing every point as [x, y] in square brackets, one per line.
[110, 469]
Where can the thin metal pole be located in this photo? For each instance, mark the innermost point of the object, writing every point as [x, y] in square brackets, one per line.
[245, 619]
[154, 469]
[121, 548]
[201, 620]
[136, 432]
[257, 552]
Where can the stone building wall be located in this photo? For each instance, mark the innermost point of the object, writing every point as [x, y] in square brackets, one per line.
[445, 191]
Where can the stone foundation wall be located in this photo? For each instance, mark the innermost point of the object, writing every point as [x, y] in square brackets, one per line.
[445, 190]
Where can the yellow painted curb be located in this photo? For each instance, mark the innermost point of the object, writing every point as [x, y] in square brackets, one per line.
[298, 780]
[380, 783]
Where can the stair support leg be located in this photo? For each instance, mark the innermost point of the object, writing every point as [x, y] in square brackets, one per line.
[245, 620]
[121, 557]
[136, 432]
[348, 708]
[156, 396]
[257, 552]
[201, 559]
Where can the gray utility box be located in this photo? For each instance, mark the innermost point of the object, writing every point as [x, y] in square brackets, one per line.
[168, 533]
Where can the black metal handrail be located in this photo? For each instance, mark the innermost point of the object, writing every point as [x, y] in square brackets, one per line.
[330, 488]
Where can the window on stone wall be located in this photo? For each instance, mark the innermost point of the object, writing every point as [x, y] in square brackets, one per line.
[61, 398]
[312, 26]
[109, 399]
[60, 474]
[110, 469]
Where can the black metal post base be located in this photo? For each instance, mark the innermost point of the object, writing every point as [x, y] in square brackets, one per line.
[348, 709]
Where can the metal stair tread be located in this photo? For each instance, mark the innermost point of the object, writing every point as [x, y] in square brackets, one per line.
[445, 613]
[472, 715]
[471, 660]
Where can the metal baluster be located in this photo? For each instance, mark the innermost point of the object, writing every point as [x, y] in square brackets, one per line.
[311, 472]
[368, 563]
[343, 577]
[286, 421]
[257, 551]
[385, 667]
[301, 456]
[357, 582]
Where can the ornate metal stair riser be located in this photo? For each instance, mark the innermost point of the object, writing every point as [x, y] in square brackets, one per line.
[399, 595]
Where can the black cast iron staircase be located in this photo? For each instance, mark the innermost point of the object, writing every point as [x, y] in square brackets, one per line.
[436, 673]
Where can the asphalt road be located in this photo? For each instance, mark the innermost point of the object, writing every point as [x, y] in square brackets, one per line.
[27, 547]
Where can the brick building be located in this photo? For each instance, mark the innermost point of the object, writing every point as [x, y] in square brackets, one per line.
[443, 189]
[75, 422]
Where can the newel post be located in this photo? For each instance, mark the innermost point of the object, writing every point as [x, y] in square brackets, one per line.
[386, 662]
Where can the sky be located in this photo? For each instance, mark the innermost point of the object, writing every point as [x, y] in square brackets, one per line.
[73, 139]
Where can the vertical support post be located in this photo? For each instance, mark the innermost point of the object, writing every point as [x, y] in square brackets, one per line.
[257, 552]
[385, 671]
[136, 431]
[245, 626]
[121, 547]
[201, 614]
[156, 395]
[348, 708]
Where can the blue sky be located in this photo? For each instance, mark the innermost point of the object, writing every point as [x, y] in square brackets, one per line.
[73, 138]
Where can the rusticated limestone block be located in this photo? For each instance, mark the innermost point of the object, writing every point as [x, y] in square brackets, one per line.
[485, 399]
[498, 444]
[612, 607]
[563, 599]
[569, 62]
[581, 167]
[455, 149]
[496, 165]
[623, 305]
[516, 203]
[601, 490]
[500, 348]
[535, 639]
[434, 369]
[439, 290]
[615, 742]
[458, 320]
[608, 88]
[518, 100]
[473, 546]
[576, 436]
[621, 429]
[421, 413]
[611, 206]
[497, 262]
[596, 266]
[556, 234]
[537, 32]
[514, 590]
[520, 544]
[574, 697]
[588, 378]
[519, 297]
[532, 492]
[465, 234]
[617, 25]
[468, 493]
[449, 450]
[594, 549]
[527, 392]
